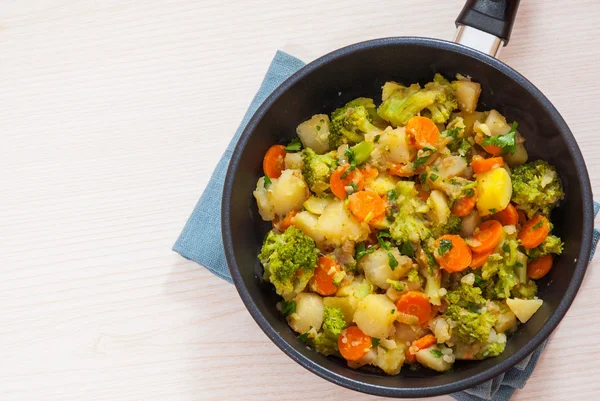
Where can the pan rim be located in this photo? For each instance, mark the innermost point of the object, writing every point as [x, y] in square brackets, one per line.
[478, 378]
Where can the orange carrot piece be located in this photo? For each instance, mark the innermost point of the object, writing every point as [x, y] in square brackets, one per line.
[493, 150]
[339, 181]
[422, 132]
[366, 205]
[538, 268]
[415, 303]
[454, 257]
[489, 235]
[287, 221]
[463, 206]
[421, 343]
[508, 216]
[534, 231]
[369, 173]
[479, 259]
[481, 165]
[353, 343]
[274, 163]
[322, 281]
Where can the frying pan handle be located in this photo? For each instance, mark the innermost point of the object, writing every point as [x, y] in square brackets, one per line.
[486, 24]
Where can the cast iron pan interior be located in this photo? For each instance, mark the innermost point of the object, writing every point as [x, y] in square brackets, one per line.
[361, 70]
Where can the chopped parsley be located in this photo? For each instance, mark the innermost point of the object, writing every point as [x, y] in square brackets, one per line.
[354, 186]
[479, 280]
[376, 138]
[436, 352]
[393, 311]
[507, 142]
[407, 249]
[287, 308]
[452, 133]
[350, 155]
[392, 195]
[361, 251]
[392, 260]
[304, 336]
[433, 177]
[445, 246]
[493, 210]
[518, 264]
[267, 181]
[470, 192]
[423, 178]
[294, 146]
[538, 225]
[506, 247]
[375, 341]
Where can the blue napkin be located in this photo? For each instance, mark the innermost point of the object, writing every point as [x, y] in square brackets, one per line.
[200, 239]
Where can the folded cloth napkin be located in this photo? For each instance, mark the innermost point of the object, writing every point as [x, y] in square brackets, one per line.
[201, 242]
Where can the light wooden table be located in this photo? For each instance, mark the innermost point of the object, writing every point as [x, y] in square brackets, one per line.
[114, 114]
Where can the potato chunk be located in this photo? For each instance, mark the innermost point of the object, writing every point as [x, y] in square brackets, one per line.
[467, 95]
[495, 190]
[524, 308]
[288, 192]
[375, 315]
[338, 225]
[314, 133]
[309, 313]
[377, 267]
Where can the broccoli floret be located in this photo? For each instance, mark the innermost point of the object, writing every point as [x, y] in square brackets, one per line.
[350, 123]
[536, 187]
[437, 99]
[283, 256]
[325, 344]
[470, 326]
[413, 275]
[326, 341]
[333, 320]
[466, 296]
[525, 291]
[317, 169]
[495, 348]
[409, 224]
[501, 277]
[453, 226]
[396, 284]
[551, 244]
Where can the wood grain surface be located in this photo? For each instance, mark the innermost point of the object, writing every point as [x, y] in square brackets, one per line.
[114, 114]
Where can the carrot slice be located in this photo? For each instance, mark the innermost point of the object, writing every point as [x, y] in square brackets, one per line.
[534, 231]
[274, 161]
[287, 221]
[366, 205]
[340, 180]
[421, 343]
[493, 150]
[481, 165]
[353, 343]
[415, 303]
[422, 132]
[538, 268]
[508, 216]
[369, 173]
[322, 281]
[489, 235]
[401, 170]
[479, 259]
[452, 253]
[463, 206]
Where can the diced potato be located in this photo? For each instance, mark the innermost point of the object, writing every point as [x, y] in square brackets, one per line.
[265, 206]
[344, 304]
[497, 124]
[293, 161]
[438, 203]
[375, 315]
[469, 223]
[391, 359]
[431, 359]
[467, 95]
[377, 267]
[382, 184]
[507, 321]
[441, 329]
[338, 225]
[309, 313]
[394, 142]
[307, 223]
[370, 358]
[314, 133]
[520, 156]
[470, 118]
[317, 205]
[494, 191]
[406, 333]
[524, 308]
[450, 166]
[288, 192]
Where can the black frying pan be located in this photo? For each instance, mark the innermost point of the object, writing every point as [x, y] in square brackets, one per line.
[361, 70]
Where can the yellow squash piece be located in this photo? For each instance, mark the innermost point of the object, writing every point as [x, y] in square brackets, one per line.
[495, 190]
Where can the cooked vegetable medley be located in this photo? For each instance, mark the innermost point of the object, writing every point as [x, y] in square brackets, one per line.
[408, 233]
